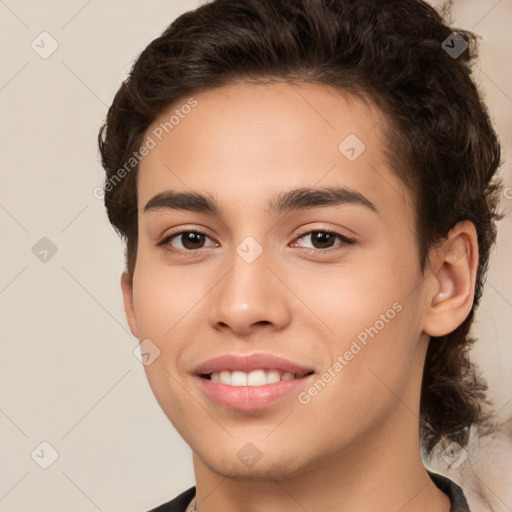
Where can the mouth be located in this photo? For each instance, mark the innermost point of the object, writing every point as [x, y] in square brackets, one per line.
[243, 369]
[258, 377]
[247, 382]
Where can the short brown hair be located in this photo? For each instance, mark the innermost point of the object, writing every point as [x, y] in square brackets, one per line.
[395, 53]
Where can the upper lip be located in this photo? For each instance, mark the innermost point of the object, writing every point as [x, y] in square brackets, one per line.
[247, 363]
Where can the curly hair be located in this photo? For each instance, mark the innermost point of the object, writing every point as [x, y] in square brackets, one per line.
[394, 53]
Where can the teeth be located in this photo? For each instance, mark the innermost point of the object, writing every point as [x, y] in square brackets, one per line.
[260, 378]
[225, 377]
[254, 378]
[237, 379]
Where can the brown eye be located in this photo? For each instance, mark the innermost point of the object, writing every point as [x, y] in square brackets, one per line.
[192, 240]
[324, 239]
[185, 241]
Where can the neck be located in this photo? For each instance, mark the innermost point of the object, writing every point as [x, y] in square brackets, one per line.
[376, 477]
[378, 470]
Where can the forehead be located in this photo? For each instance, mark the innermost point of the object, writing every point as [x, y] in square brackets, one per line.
[246, 142]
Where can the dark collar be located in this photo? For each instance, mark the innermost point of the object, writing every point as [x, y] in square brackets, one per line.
[450, 488]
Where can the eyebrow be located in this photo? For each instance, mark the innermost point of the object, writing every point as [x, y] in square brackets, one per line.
[290, 200]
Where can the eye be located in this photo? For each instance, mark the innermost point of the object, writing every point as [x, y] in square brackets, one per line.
[322, 239]
[188, 241]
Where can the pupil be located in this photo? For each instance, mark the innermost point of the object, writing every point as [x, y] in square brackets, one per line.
[323, 238]
[191, 238]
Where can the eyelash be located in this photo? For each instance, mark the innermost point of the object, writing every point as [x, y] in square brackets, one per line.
[345, 241]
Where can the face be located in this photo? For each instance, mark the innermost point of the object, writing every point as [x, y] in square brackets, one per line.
[329, 281]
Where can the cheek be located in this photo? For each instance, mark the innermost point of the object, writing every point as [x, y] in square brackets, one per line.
[361, 386]
[168, 304]
[366, 290]
[165, 296]
[164, 301]
[370, 319]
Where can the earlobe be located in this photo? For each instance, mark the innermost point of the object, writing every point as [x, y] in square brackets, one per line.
[453, 277]
[127, 288]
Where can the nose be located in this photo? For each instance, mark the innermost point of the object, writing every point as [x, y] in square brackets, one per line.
[249, 297]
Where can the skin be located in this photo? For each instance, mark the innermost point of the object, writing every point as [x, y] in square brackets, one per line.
[355, 445]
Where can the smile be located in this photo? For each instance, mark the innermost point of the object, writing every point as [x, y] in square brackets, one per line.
[253, 378]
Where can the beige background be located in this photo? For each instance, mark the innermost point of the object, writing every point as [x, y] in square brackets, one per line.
[68, 375]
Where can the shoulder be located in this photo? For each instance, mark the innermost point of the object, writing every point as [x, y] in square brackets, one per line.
[452, 490]
[178, 504]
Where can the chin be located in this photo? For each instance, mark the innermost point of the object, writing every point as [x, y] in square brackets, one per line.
[267, 468]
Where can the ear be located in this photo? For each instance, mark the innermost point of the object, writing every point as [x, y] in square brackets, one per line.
[451, 287]
[127, 287]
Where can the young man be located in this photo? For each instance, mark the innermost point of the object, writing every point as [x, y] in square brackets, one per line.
[307, 193]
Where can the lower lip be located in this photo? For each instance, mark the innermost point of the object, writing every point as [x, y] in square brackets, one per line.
[250, 398]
